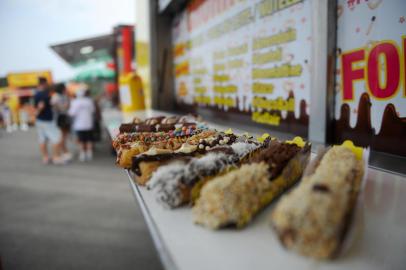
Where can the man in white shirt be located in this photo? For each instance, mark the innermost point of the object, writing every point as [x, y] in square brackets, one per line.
[82, 112]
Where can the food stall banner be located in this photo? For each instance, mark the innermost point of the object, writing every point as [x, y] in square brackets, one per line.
[370, 89]
[27, 79]
[246, 57]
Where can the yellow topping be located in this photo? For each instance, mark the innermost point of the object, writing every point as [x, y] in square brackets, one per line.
[298, 141]
[358, 151]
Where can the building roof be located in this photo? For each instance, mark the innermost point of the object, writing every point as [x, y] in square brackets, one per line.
[79, 52]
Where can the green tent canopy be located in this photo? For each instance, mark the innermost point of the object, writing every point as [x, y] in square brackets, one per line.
[92, 74]
[92, 70]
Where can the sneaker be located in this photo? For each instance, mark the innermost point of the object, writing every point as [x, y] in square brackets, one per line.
[89, 155]
[82, 156]
[67, 156]
[46, 160]
[58, 161]
[24, 127]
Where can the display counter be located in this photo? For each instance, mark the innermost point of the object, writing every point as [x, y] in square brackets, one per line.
[377, 236]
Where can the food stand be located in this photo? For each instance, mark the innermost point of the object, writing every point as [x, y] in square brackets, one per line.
[20, 92]
[324, 70]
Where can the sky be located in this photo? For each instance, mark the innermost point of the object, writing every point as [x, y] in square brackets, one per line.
[29, 27]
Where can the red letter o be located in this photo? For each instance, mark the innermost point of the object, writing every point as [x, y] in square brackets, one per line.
[392, 70]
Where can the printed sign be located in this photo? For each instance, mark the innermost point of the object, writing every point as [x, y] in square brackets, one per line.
[27, 79]
[370, 79]
[248, 57]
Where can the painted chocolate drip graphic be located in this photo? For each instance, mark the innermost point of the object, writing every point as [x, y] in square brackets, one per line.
[298, 126]
[390, 138]
[362, 133]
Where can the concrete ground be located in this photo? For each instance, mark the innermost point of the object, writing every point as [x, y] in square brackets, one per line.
[79, 216]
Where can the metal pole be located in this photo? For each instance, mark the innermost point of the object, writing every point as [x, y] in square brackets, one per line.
[321, 109]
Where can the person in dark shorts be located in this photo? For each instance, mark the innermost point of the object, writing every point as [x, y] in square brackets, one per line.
[85, 136]
[60, 103]
[82, 112]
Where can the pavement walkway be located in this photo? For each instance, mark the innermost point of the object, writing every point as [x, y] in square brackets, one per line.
[79, 216]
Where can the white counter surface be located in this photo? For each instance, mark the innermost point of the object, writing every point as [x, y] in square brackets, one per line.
[378, 231]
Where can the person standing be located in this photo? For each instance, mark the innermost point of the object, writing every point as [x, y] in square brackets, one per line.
[82, 111]
[60, 103]
[23, 114]
[46, 127]
[6, 115]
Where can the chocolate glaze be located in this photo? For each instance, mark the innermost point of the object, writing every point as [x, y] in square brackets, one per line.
[165, 127]
[127, 128]
[154, 124]
[390, 137]
[141, 126]
[145, 128]
[169, 156]
[276, 155]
